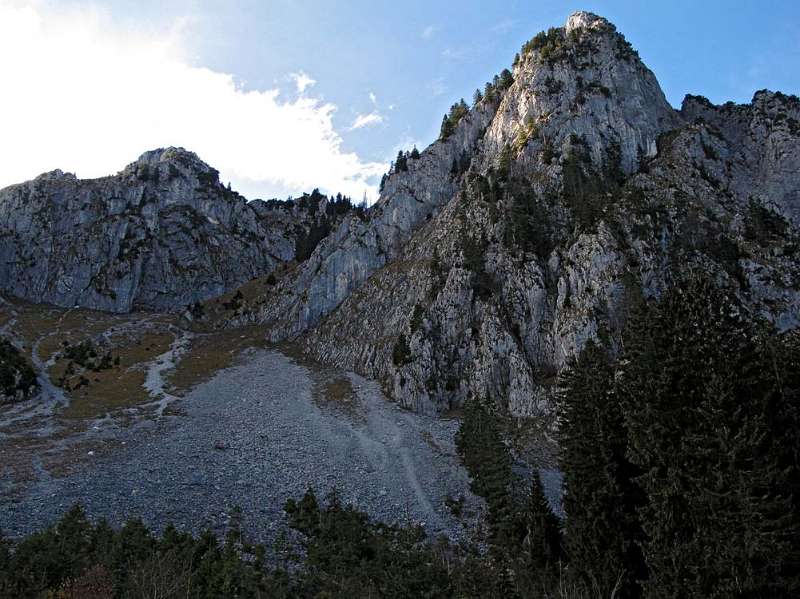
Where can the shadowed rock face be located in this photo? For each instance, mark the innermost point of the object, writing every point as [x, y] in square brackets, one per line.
[578, 190]
[159, 235]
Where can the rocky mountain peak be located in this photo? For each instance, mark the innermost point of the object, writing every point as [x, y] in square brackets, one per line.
[586, 20]
[568, 190]
[170, 163]
[172, 155]
[581, 82]
[54, 175]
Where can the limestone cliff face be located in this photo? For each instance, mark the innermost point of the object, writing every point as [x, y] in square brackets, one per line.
[584, 192]
[358, 248]
[161, 234]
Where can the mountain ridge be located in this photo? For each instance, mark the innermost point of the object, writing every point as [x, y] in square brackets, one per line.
[570, 189]
[161, 234]
[616, 191]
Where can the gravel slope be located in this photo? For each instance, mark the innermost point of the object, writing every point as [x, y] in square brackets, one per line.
[278, 441]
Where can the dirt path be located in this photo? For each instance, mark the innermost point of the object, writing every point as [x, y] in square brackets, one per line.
[155, 383]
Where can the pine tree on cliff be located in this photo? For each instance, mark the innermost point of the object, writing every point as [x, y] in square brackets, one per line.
[543, 538]
[401, 164]
[711, 403]
[488, 462]
[602, 528]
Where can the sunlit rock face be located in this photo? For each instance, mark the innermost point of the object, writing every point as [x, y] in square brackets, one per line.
[584, 191]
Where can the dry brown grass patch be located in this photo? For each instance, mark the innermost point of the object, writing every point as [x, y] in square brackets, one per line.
[210, 353]
[118, 387]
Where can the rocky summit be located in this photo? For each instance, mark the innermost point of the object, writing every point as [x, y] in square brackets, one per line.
[162, 234]
[568, 191]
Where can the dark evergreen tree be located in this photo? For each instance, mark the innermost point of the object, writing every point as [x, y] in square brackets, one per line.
[504, 162]
[710, 401]
[506, 79]
[543, 530]
[489, 92]
[477, 97]
[601, 499]
[401, 352]
[457, 112]
[414, 154]
[488, 462]
[306, 243]
[446, 129]
[401, 164]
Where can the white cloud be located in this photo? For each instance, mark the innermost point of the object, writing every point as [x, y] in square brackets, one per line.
[428, 32]
[302, 81]
[81, 94]
[373, 98]
[366, 120]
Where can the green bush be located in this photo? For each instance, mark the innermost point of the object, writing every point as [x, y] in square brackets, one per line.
[401, 352]
[16, 373]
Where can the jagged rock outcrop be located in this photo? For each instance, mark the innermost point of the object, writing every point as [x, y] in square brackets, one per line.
[584, 192]
[161, 234]
[345, 259]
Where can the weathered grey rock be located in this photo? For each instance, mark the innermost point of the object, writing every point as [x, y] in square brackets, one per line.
[159, 235]
[346, 258]
[616, 192]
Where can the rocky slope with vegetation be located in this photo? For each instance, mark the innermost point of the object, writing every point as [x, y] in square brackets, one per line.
[571, 246]
[568, 191]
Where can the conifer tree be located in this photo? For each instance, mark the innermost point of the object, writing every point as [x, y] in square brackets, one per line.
[543, 534]
[506, 79]
[504, 162]
[488, 461]
[601, 499]
[710, 401]
[489, 92]
[401, 164]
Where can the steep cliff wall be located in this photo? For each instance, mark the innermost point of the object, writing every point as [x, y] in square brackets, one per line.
[161, 234]
[585, 192]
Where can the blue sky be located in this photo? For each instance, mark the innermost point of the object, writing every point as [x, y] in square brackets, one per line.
[395, 67]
